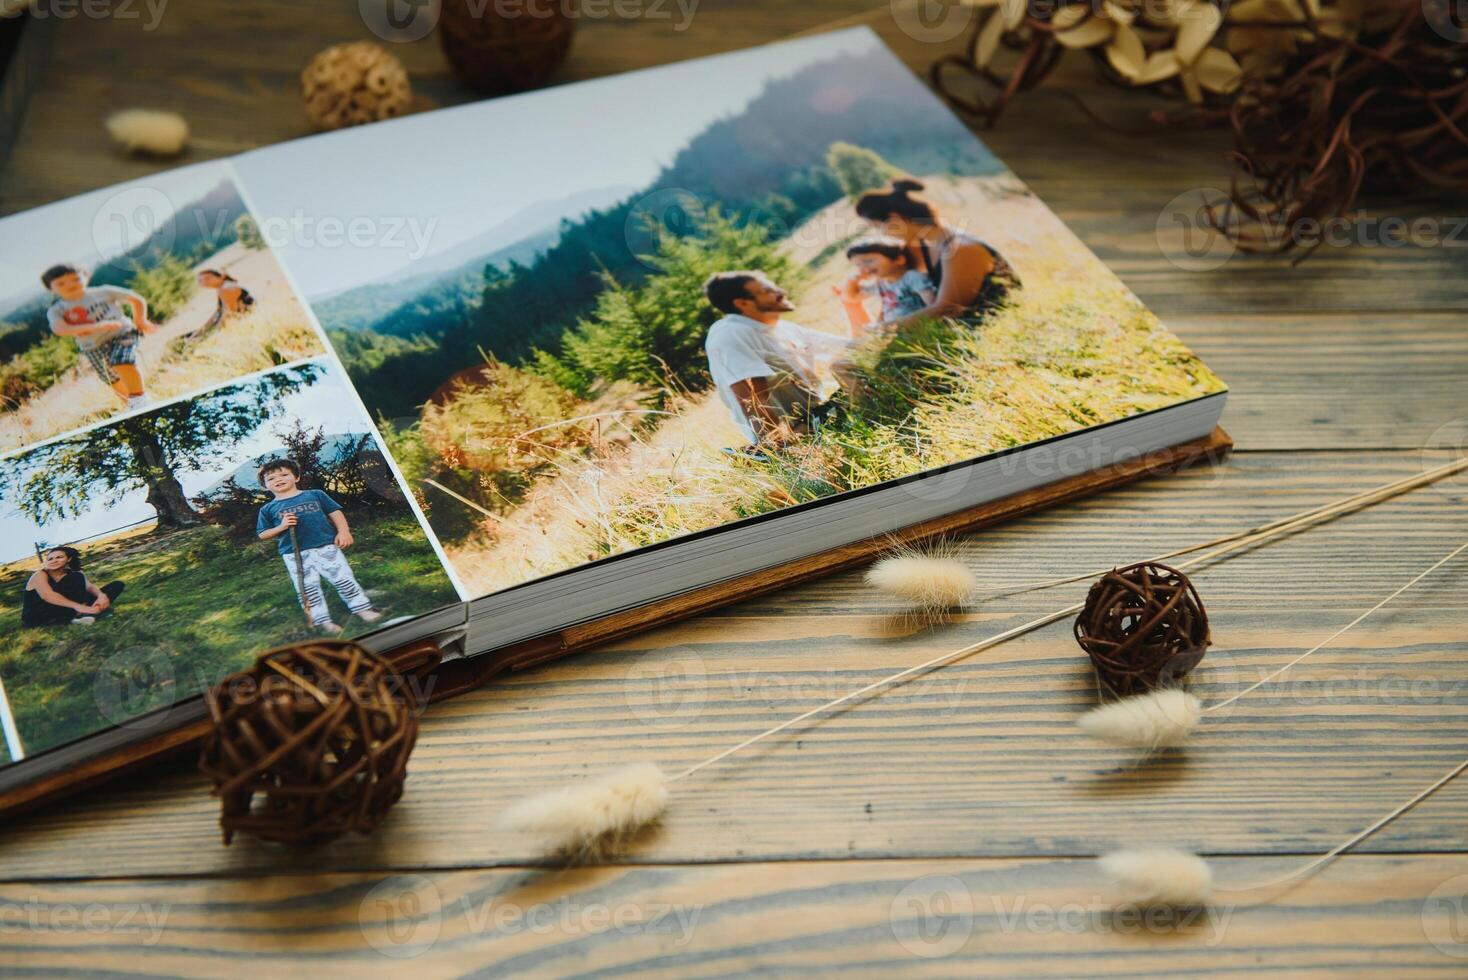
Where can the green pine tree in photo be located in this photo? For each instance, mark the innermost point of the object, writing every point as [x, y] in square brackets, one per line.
[247, 232]
[652, 334]
[858, 169]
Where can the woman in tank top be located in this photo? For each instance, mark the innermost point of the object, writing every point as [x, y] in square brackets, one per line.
[971, 277]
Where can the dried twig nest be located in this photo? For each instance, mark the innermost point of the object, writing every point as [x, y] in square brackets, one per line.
[1144, 627]
[351, 84]
[309, 743]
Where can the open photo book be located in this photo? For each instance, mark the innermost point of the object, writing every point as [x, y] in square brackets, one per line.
[485, 373]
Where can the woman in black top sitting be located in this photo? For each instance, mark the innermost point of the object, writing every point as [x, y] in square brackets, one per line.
[969, 276]
[59, 593]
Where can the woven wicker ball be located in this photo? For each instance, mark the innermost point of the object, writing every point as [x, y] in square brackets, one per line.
[309, 743]
[1143, 627]
[351, 84]
[498, 53]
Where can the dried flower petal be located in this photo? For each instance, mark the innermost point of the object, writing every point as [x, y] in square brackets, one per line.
[1218, 72]
[987, 43]
[1126, 54]
[1091, 32]
[1160, 67]
[1195, 30]
[1068, 17]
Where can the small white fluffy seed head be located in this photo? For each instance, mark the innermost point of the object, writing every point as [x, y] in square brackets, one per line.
[929, 581]
[1151, 876]
[1158, 719]
[152, 131]
[591, 818]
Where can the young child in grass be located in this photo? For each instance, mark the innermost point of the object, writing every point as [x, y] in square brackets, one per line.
[321, 533]
[97, 318]
[883, 267]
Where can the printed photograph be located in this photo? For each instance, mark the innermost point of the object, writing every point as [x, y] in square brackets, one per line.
[130, 296]
[169, 547]
[787, 274]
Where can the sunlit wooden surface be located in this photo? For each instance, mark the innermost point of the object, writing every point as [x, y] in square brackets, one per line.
[947, 828]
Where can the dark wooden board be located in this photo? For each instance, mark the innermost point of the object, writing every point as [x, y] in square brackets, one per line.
[1341, 371]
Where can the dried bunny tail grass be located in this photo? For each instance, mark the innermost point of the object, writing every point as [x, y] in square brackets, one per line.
[586, 819]
[1167, 876]
[1153, 876]
[930, 579]
[1157, 719]
[151, 131]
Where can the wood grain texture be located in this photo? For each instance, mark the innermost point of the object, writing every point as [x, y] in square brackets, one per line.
[1366, 916]
[796, 855]
[979, 759]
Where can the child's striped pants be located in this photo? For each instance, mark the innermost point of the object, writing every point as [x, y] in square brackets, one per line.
[329, 563]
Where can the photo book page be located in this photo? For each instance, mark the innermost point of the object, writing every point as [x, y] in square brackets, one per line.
[343, 381]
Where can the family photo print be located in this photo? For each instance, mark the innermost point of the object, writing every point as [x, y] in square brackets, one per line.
[133, 295]
[788, 273]
[170, 547]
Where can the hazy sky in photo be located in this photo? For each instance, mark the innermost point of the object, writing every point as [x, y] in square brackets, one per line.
[95, 227]
[458, 172]
[326, 403]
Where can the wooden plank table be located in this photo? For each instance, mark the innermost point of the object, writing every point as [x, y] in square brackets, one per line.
[945, 828]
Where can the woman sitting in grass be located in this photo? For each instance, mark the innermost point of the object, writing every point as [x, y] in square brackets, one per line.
[58, 593]
[233, 298]
[970, 277]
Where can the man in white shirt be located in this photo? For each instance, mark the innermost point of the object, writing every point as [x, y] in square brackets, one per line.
[766, 368]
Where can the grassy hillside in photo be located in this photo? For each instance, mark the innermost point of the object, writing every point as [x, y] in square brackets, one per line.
[623, 469]
[525, 306]
[197, 606]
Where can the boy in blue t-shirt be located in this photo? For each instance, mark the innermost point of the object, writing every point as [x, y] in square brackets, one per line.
[321, 533]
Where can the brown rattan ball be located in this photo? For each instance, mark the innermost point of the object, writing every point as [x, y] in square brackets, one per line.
[309, 743]
[355, 83]
[1144, 627]
[498, 53]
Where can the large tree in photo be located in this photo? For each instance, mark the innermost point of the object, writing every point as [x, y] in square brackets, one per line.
[147, 452]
